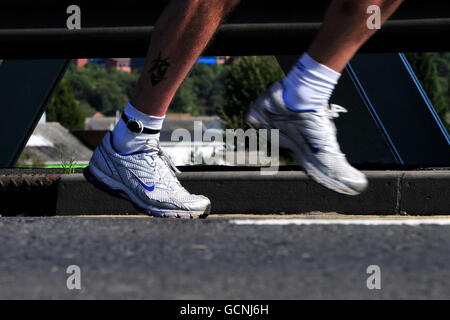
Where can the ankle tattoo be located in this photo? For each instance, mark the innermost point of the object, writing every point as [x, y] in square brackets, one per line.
[158, 69]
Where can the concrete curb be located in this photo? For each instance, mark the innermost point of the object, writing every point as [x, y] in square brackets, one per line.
[425, 193]
[290, 192]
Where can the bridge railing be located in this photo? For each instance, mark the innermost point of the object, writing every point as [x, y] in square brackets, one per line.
[395, 120]
[37, 29]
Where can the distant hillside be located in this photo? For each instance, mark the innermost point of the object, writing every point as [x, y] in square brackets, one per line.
[203, 91]
[106, 91]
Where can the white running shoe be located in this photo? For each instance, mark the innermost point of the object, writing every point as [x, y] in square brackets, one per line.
[146, 178]
[311, 136]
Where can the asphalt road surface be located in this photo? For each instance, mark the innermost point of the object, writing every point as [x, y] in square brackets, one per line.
[144, 258]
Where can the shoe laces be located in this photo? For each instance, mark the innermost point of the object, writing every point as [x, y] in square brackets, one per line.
[331, 112]
[167, 171]
[334, 110]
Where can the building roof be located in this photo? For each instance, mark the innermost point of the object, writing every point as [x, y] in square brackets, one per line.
[105, 123]
[123, 60]
[50, 141]
[171, 123]
[98, 115]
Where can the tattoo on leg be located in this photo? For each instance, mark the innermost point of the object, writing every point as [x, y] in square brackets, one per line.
[158, 69]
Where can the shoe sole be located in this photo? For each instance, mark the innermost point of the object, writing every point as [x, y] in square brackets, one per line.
[256, 120]
[121, 191]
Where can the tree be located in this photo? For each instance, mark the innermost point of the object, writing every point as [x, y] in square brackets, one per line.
[442, 61]
[108, 94]
[246, 80]
[208, 86]
[99, 89]
[185, 100]
[64, 108]
[427, 72]
[202, 92]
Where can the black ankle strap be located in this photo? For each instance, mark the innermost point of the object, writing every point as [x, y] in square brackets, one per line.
[136, 126]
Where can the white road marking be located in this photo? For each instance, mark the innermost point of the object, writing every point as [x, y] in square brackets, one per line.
[362, 222]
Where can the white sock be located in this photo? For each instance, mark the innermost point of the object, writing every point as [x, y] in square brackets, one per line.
[309, 85]
[125, 141]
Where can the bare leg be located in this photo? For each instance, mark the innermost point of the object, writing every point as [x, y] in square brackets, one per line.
[344, 30]
[181, 34]
[299, 106]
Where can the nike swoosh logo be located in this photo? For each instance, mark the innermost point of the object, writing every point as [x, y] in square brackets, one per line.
[314, 149]
[146, 187]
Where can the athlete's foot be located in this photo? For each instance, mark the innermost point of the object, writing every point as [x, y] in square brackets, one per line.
[311, 136]
[147, 179]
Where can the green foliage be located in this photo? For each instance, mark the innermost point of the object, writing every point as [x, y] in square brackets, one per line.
[86, 108]
[99, 89]
[64, 108]
[68, 166]
[106, 91]
[427, 67]
[247, 79]
[442, 61]
[225, 90]
[202, 92]
[185, 100]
